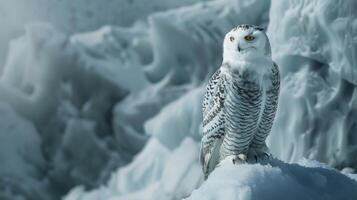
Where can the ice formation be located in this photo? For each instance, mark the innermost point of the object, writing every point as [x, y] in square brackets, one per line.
[117, 51]
[76, 16]
[171, 125]
[169, 159]
[198, 31]
[22, 162]
[33, 70]
[314, 44]
[44, 83]
[88, 102]
[155, 173]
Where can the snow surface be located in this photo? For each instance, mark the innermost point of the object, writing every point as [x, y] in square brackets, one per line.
[276, 180]
[115, 113]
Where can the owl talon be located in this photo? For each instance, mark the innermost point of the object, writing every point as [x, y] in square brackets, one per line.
[257, 155]
[239, 159]
[267, 156]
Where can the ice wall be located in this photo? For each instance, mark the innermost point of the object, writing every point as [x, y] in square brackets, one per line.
[33, 69]
[196, 33]
[75, 16]
[314, 45]
[69, 104]
[120, 53]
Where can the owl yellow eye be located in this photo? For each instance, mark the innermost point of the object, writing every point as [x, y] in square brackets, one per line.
[249, 37]
[231, 38]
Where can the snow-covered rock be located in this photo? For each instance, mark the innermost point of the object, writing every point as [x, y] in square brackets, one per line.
[276, 180]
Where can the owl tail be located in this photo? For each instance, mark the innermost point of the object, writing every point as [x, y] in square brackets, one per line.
[210, 159]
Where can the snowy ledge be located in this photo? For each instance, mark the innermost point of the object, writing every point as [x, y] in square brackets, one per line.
[276, 180]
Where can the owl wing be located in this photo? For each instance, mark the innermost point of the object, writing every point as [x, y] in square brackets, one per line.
[270, 107]
[213, 122]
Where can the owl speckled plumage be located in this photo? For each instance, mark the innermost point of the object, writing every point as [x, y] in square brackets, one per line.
[241, 99]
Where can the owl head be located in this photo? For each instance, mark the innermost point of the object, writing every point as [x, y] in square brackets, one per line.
[245, 41]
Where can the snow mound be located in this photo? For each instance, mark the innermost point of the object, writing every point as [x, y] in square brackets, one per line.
[276, 180]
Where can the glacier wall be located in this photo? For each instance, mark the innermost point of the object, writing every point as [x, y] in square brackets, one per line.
[314, 44]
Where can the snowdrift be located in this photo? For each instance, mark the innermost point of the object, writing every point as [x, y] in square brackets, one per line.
[276, 180]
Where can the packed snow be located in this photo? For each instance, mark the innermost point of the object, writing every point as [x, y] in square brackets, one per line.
[276, 180]
[115, 113]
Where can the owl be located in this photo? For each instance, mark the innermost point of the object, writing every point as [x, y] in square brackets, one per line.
[240, 101]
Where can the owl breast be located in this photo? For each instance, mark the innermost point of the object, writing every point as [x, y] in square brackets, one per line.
[243, 107]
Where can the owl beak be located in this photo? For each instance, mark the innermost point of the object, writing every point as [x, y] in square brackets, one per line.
[239, 49]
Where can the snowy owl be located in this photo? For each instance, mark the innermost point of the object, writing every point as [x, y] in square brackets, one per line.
[240, 101]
